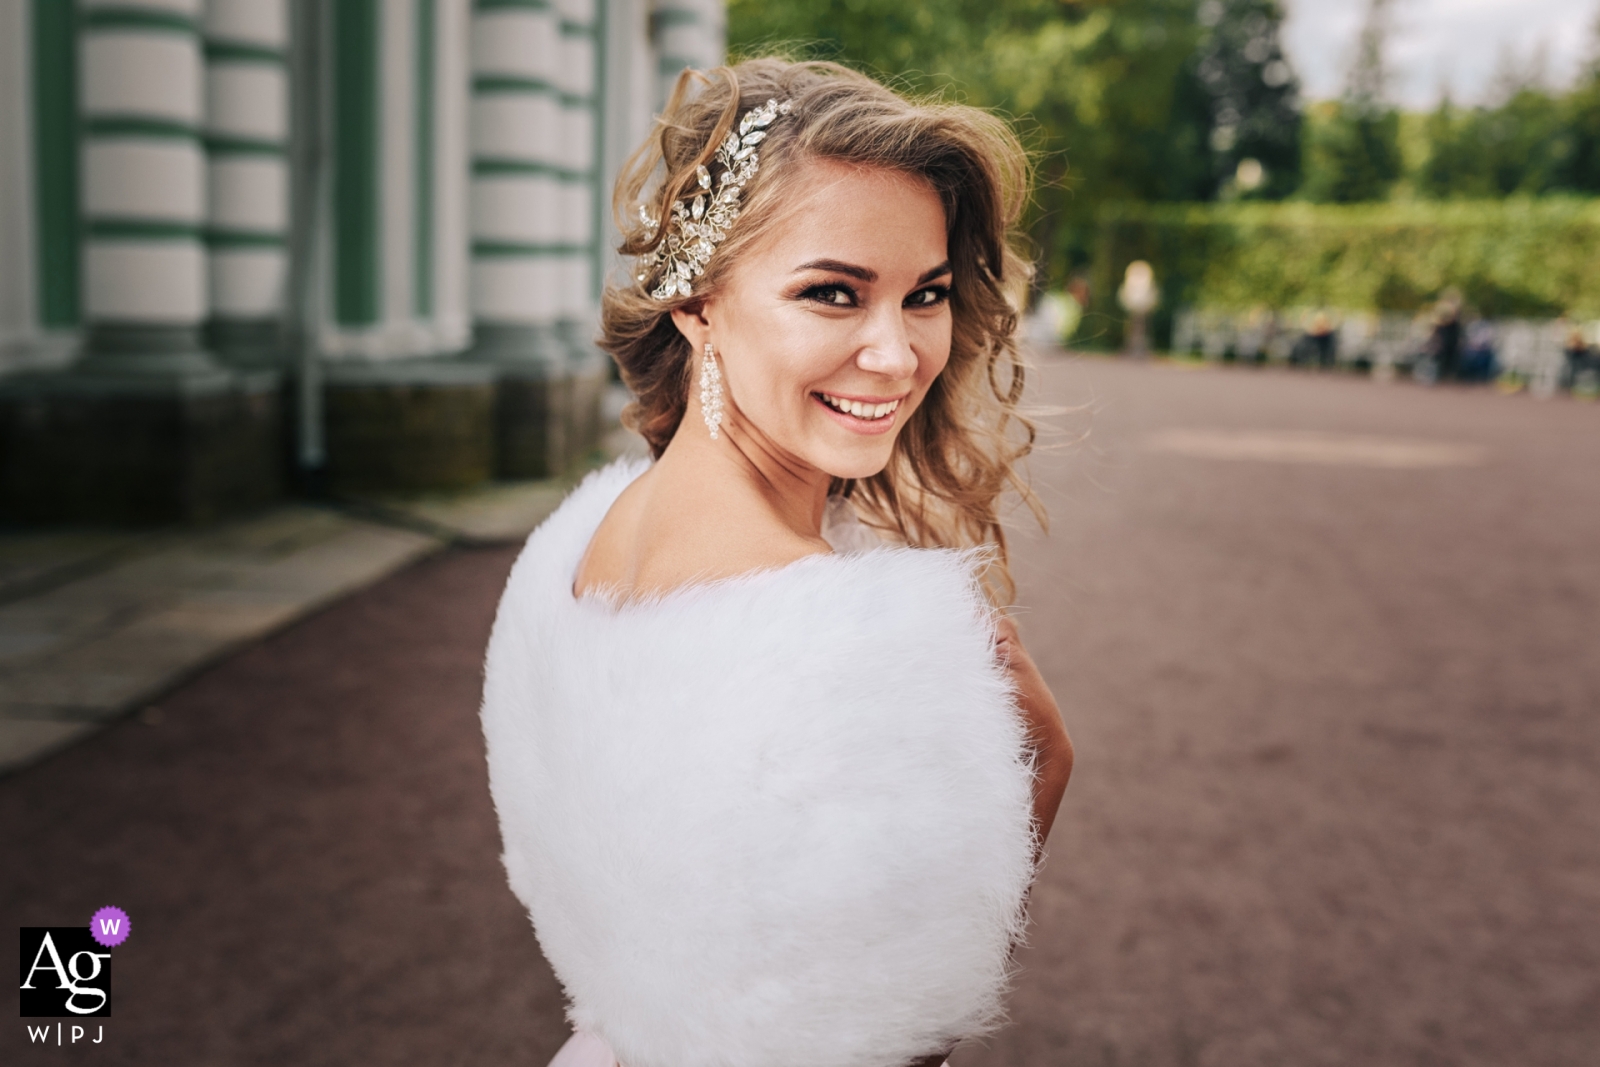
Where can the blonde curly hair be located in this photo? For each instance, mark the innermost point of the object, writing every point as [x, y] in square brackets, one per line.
[958, 452]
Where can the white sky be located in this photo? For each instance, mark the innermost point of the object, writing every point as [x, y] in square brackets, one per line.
[1440, 42]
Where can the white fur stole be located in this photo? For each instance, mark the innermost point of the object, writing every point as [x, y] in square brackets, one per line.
[773, 821]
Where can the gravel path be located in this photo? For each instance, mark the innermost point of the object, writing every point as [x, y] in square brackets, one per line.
[1330, 652]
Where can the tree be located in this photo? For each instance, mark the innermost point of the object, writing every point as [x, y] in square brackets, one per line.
[1454, 167]
[1582, 165]
[922, 46]
[1353, 146]
[1251, 97]
[1102, 89]
[1096, 87]
[1523, 142]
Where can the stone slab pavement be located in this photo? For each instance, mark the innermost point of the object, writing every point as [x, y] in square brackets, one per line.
[96, 624]
[1327, 648]
[77, 654]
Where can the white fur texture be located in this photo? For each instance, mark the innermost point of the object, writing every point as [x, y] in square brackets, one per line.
[774, 821]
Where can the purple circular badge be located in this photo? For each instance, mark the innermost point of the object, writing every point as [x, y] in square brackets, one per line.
[110, 926]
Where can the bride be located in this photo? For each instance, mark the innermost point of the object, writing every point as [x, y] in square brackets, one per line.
[773, 773]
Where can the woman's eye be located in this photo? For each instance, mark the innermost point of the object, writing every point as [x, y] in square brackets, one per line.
[932, 296]
[835, 295]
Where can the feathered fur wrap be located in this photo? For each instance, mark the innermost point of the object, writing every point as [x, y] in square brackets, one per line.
[772, 821]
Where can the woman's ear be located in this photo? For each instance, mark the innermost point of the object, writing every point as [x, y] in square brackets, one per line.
[690, 319]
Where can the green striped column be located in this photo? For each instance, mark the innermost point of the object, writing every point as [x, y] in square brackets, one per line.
[142, 101]
[581, 36]
[398, 179]
[522, 172]
[247, 219]
[17, 308]
[398, 416]
[627, 97]
[686, 34]
[145, 427]
[38, 184]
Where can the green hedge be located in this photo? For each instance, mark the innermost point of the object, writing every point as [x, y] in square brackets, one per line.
[1507, 257]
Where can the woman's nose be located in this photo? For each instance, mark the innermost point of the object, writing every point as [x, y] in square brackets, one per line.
[888, 351]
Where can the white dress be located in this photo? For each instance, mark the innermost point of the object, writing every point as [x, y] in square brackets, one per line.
[777, 820]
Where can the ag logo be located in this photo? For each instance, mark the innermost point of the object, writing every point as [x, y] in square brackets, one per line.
[65, 972]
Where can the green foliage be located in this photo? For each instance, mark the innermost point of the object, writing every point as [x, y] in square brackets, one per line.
[921, 46]
[1101, 89]
[1533, 142]
[1507, 257]
[1352, 145]
[1352, 152]
[1583, 124]
[1523, 146]
[1156, 102]
[1241, 70]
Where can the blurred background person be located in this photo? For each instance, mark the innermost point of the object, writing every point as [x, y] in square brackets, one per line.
[1444, 343]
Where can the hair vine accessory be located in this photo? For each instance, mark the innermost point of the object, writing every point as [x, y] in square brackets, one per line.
[696, 228]
[711, 391]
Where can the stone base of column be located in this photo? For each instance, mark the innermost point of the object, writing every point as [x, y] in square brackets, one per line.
[145, 447]
[531, 431]
[249, 344]
[591, 370]
[588, 391]
[539, 402]
[132, 353]
[408, 425]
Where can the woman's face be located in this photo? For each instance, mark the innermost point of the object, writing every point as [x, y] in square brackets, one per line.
[831, 329]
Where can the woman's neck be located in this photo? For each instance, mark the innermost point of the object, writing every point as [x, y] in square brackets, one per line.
[742, 469]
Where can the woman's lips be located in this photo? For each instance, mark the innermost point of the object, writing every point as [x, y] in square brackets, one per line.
[876, 416]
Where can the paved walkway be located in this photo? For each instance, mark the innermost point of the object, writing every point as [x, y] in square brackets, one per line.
[94, 624]
[104, 623]
[1328, 649]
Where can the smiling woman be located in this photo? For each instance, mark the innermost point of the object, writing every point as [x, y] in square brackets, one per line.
[772, 772]
[865, 204]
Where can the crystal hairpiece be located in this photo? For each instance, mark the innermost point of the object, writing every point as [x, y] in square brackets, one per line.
[695, 229]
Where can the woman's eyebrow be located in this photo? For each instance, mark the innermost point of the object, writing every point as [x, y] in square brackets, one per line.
[867, 274]
[864, 274]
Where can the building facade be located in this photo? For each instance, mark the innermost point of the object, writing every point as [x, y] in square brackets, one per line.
[359, 242]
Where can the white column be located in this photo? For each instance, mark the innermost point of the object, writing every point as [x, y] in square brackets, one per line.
[687, 34]
[451, 239]
[144, 185]
[628, 100]
[520, 172]
[397, 154]
[247, 131]
[580, 108]
[18, 308]
[398, 163]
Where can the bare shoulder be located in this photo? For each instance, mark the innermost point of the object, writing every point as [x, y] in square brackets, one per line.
[704, 551]
[646, 548]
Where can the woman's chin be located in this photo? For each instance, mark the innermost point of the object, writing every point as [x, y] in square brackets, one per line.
[857, 463]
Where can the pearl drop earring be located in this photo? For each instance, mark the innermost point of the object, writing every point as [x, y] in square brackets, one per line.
[711, 391]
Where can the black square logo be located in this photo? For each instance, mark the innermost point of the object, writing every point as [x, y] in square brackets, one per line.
[65, 973]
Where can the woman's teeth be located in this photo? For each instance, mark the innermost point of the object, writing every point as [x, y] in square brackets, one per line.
[858, 409]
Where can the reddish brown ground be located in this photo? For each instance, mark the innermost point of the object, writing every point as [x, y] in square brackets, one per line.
[1337, 799]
